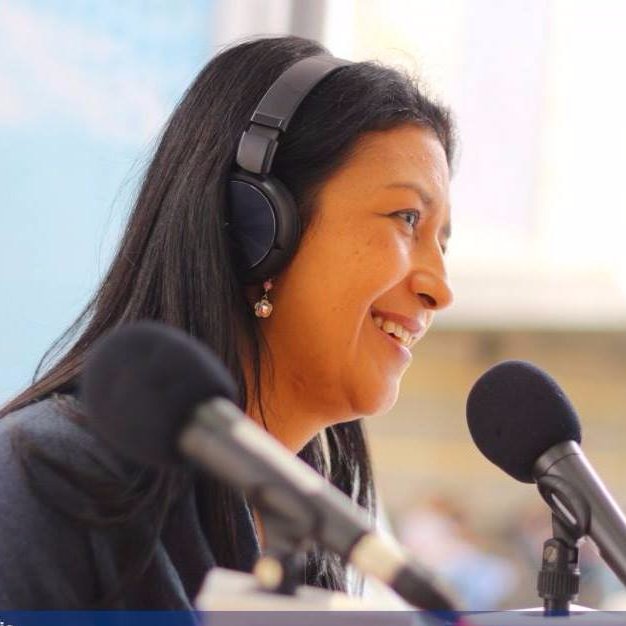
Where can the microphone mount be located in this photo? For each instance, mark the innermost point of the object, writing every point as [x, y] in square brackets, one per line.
[280, 569]
[558, 582]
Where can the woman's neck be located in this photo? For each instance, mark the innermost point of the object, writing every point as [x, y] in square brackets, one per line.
[290, 426]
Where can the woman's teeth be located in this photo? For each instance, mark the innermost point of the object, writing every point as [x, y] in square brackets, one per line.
[391, 328]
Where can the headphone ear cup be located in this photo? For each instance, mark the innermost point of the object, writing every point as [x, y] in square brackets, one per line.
[263, 225]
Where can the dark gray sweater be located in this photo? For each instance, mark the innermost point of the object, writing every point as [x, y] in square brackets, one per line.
[49, 559]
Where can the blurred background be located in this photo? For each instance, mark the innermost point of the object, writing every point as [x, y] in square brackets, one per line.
[537, 259]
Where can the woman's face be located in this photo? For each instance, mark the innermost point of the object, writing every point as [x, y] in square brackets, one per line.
[366, 280]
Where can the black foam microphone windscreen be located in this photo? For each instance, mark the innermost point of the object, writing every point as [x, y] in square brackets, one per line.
[140, 385]
[515, 412]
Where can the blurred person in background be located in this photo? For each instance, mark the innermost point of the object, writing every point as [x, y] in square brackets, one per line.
[314, 347]
[437, 531]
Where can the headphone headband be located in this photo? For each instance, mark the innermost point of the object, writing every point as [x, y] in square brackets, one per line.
[263, 219]
[272, 115]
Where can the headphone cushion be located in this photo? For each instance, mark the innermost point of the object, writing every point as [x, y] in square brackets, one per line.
[263, 225]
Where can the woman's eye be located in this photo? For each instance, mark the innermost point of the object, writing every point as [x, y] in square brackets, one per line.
[411, 217]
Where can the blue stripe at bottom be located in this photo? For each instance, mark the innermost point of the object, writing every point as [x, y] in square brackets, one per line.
[306, 618]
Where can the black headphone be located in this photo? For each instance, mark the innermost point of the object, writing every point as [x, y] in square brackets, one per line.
[263, 221]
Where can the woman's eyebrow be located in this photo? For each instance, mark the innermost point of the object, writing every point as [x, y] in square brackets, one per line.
[423, 194]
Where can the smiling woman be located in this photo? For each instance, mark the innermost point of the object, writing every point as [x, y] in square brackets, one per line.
[294, 218]
[325, 333]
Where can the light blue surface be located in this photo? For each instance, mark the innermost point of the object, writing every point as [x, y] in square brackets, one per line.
[85, 88]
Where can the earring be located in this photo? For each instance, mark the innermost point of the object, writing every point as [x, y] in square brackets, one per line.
[263, 308]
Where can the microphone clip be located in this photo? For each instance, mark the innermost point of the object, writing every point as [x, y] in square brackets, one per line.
[289, 524]
[558, 581]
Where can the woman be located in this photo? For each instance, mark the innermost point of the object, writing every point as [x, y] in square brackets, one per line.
[315, 346]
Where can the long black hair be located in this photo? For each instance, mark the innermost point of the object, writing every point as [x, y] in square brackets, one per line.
[173, 262]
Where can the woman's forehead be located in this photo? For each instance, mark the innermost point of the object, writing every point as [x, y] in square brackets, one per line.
[408, 157]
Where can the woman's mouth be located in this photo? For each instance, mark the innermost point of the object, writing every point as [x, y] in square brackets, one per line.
[395, 330]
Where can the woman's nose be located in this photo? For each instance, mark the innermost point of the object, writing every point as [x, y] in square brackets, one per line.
[430, 282]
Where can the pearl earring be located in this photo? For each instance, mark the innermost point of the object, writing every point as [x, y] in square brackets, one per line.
[263, 308]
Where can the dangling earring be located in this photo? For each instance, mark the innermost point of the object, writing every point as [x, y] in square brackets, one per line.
[263, 308]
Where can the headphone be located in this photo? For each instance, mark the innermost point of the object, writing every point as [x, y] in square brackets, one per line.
[263, 221]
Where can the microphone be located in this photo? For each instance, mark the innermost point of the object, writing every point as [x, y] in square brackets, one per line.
[523, 422]
[158, 396]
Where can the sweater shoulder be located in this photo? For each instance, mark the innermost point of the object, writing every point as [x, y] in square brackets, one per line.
[46, 558]
[52, 430]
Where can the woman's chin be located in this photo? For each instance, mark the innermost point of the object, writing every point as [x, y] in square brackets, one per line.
[378, 401]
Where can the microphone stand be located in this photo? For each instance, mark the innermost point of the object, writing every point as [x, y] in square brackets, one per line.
[558, 582]
[559, 576]
[280, 568]
[277, 582]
